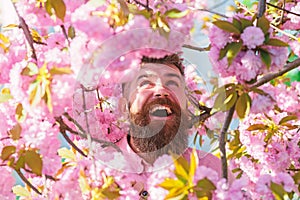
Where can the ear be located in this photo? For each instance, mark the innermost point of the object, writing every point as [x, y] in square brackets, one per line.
[122, 105]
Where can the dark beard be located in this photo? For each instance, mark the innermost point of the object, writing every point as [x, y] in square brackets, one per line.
[160, 137]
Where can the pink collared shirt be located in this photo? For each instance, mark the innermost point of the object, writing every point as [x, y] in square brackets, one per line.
[132, 165]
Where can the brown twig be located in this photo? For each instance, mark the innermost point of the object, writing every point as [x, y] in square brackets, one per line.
[142, 4]
[63, 28]
[83, 134]
[28, 182]
[294, 170]
[285, 10]
[268, 77]
[196, 48]
[27, 33]
[207, 10]
[261, 8]
[62, 130]
[222, 142]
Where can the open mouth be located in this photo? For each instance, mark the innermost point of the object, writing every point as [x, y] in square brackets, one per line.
[160, 111]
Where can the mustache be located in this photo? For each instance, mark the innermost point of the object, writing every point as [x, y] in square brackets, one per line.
[142, 118]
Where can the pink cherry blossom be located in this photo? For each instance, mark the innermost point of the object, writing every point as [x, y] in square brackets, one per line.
[252, 37]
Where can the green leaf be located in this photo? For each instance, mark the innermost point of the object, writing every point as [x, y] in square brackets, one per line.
[58, 6]
[71, 32]
[60, 70]
[233, 50]
[264, 24]
[36, 92]
[36, 36]
[287, 118]
[20, 162]
[7, 151]
[114, 194]
[243, 105]
[193, 165]
[226, 26]
[245, 23]
[223, 52]
[30, 70]
[276, 42]
[237, 24]
[5, 97]
[66, 153]
[20, 113]
[34, 161]
[123, 6]
[136, 11]
[265, 57]
[204, 188]
[169, 184]
[268, 137]
[206, 184]
[296, 177]
[15, 132]
[177, 194]
[18, 190]
[181, 168]
[225, 100]
[4, 39]
[278, 191]
[175, 13]
[48, 99]
[255, 127]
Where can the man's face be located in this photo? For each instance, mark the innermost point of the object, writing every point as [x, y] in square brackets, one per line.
[157, 108]
[157, 81]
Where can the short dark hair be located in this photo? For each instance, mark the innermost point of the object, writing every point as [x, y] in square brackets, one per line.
[172, 59]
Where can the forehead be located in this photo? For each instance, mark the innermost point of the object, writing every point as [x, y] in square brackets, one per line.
[157, 69]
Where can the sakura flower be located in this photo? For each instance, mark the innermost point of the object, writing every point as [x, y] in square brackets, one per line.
[294, 18]
[7, 181]
[252, 37]
[218, 37]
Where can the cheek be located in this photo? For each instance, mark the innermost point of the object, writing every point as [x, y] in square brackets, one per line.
[137, 101]
[180, 97]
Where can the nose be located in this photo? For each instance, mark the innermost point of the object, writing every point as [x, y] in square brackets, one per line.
[160, 91]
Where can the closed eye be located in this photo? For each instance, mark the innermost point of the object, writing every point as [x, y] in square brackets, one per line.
[145, 83]
[172, 83]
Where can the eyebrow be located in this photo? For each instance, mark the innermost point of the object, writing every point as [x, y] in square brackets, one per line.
[166, 75]
[173, 75]
[144, 76]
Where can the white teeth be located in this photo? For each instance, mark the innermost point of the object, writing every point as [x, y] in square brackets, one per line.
[161, 107]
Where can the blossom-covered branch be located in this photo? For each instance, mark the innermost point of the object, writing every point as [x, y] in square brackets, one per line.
[268, 77]
[23, 25]
[82, 133]
[27, 182]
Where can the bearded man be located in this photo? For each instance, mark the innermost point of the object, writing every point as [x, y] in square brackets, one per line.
[156, 104]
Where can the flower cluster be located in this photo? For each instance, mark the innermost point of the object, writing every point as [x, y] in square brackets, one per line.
[243, 50]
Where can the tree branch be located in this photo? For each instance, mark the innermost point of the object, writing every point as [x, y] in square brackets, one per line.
[222, 142]
[268, 77]
[83, 135]
[261, 8]
[63, 28]
[206, 10]
[143, 5]
[27, 33]
[27, 182]
[285, 10]
[196, 48]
